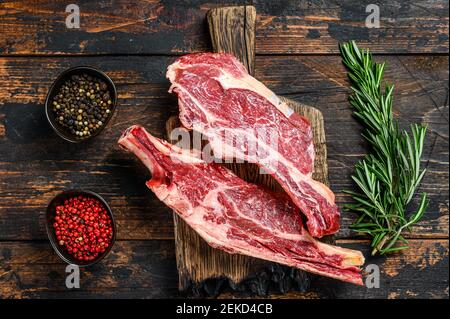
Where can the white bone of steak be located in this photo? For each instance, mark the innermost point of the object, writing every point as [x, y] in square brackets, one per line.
[233, 215]
[218, 98]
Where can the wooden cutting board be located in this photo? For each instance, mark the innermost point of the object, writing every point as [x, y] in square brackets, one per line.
[203, 269]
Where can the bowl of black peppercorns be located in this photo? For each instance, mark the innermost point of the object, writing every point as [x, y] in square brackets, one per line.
[80, 103]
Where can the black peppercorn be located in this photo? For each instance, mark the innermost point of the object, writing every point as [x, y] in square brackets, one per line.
[82, 105]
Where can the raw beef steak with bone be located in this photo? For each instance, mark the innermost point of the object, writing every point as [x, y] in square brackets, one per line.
[233, 215]
[243, 119]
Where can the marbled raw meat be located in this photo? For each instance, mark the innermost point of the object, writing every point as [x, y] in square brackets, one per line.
[234, 215]
[243, 119]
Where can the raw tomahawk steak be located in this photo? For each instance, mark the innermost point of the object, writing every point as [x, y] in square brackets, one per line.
[243, 119]
[233, 215]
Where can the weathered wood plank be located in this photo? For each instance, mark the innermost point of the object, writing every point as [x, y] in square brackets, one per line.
[35, 164]
[147, 269]
[139, 269]
[170, 26]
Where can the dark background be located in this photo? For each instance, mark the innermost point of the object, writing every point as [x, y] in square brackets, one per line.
[133, 42]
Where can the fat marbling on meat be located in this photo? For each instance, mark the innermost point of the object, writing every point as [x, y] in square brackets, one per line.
[234, 215]
[243, 119]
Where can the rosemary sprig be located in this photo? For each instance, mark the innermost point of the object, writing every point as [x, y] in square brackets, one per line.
[387, 177]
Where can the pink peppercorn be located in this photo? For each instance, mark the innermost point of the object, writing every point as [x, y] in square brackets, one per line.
[83, 226]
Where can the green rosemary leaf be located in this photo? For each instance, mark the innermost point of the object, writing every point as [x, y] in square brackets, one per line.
[388, 177]
[394, 249]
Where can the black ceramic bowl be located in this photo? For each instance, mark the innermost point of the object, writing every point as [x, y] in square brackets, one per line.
[60, 130]
[50, 219]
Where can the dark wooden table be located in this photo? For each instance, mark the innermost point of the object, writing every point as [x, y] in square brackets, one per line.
[134, 41]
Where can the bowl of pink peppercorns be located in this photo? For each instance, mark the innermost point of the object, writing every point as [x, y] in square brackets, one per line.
[80, 226]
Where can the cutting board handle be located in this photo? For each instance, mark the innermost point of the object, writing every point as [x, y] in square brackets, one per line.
[232, 30]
